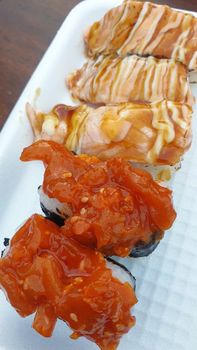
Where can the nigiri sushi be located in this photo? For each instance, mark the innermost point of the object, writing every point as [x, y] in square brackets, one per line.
[46, 273]
[145, 28]
[113, 79]
[114, 206]
[155, 134]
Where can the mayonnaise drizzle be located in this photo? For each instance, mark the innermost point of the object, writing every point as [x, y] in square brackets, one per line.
[122, 18]
[141, 17]
[161, 34]
[79, 122]
[179, 50]
[193, 61]
[150, 73]
[126, 68]
[156, 83]
[175, 116]
[151, 30]
[113, 79]
[174, 80]
[165, 127]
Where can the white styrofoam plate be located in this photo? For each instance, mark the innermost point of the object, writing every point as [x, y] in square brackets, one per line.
[166, 281]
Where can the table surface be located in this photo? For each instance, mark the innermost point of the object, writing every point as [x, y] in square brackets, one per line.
[27, 28]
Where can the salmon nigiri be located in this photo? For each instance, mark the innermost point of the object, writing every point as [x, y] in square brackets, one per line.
[156, 134]
[113, 79]
[145, 29]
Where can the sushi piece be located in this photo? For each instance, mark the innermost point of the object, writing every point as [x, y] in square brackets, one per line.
[47, 274]
[154, 134]
[113, 79]
[145, 29]
[115, 207]
[52, 209]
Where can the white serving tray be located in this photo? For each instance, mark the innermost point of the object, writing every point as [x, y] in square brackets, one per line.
[166, 281]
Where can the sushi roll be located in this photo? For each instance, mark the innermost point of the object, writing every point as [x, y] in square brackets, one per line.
[115, 207]
[54, 277]
[58, 213]
[163, 128]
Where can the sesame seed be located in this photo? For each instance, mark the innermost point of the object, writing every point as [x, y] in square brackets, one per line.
[78, 279]
[74, 317]
[67, 174]
[83, 211]
[102, 190]
[84, 199]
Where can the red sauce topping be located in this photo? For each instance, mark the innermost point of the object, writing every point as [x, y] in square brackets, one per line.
[56, 277]
[114, 205]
